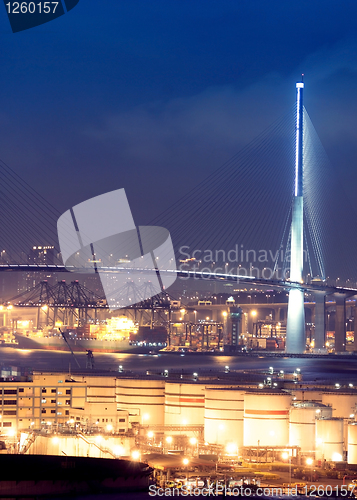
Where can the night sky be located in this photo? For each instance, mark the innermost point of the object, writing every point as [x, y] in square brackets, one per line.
[152, 96]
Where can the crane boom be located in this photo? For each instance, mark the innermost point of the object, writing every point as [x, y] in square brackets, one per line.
[64, 338]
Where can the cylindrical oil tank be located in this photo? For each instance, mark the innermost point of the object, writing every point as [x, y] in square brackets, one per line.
[184, 403]
[266, 418]
[144, 399]
[302, 423]
[303, 395]
[343, 406]
[329, 439]
[223, 417]
[343, 403]
[352, 444]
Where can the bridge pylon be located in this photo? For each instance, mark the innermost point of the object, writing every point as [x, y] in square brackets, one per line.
[295, 328]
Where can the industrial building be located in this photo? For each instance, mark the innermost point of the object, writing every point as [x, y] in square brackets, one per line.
[317, 422]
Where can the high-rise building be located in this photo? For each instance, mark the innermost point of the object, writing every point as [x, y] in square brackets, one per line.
[42, 255]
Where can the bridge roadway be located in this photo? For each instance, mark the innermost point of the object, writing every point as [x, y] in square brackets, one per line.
[236, 278]
[319, 289]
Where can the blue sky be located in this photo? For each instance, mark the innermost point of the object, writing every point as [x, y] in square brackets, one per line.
[153, 95]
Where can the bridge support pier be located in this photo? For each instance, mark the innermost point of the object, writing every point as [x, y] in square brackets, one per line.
[244, 323]
[250, 321]
[340, 322]
[319, 320]
[295, 328]
[355, 326]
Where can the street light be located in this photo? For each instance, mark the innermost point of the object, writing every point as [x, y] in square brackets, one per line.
[194, 443]
[309, 461]
[232, 449]
[286, 456]
[168, 441]
[135, 455]
[185, 462]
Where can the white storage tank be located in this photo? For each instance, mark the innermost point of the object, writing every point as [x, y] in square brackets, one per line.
[184, 403]
[302, 423]
[223, 416]
[144, 400]
[306, 395]
[329, 439]
[266, 418]
[352, 444]
[343, 406]
[343, 403]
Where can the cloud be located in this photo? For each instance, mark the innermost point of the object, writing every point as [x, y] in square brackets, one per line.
[222, 117]
[188, 137]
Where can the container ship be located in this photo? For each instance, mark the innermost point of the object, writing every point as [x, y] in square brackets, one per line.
[57, 343]
[116, 336]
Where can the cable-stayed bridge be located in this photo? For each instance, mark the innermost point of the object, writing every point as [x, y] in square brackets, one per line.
[245, 204]
[236, 225]
[313, 286]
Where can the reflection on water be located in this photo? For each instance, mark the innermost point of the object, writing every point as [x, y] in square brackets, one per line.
[339, 369]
